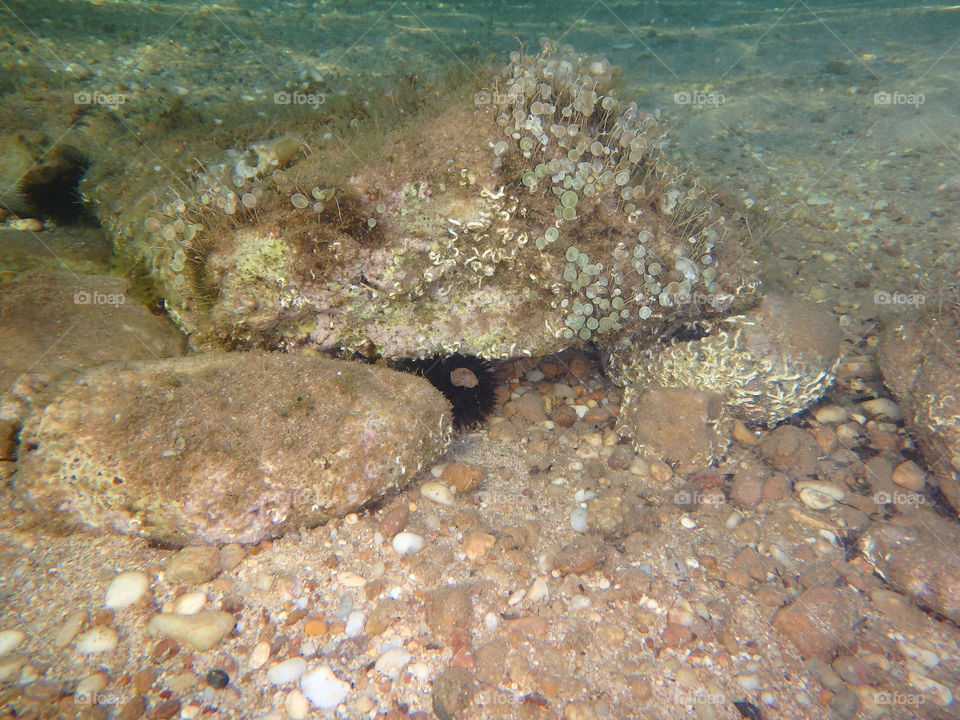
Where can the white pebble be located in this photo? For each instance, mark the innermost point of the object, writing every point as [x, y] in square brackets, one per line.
[324, 689]
[491, 620]
[126, 588]
[748, 682]
[354, 625]
[189, 603]
[351, 580]
[259, 655]
[579, 602]
[535, 375]
[516, 597]
[831, 414]
[733, 520]
[538, 590]
[688, 522]
[437, 470]
[100, 639]
[392, 662]
[287, 671]
[9, 639]
[91, 684]
[421, 671]
[818, 495]
[296, 705]
[882, 407]
[578, 520]
[407, 543]
[927, 658]
[437, 492]
[580, 410]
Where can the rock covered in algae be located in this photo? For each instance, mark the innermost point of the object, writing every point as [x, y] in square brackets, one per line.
[233, 447]
[764, 365]
[920, 361]
[535, 215]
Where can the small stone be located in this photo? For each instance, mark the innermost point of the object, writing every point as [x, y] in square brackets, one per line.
[315, 627]
[882, 407]
[230, 556]
[477, 544]
[259, 655]
[676, 635]
[742, 434]
[437, 492]
[640, 468]
[394, 520]
[71, 626]
[351, 579]
[218, 679]
[143, 680]
[323, 689]
[133, 709]
[9, 640]
[564, 416]
[407, 543]
[909, 475]
[203, 631]
[579, 711]
[126, 589]
[193, 565]
[165, 710]
[296, 705]
[10, 666]
[92, 684]
[583, 554]
[452, 692]
[818, 495]
[100, 639]
[596, 416]
[287, 671]
[189, 603]
[392, 662]
[538, 590]
[831, 414]
[462, 476]
[354, 625]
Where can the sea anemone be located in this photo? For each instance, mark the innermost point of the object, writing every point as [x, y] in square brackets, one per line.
[468, 382]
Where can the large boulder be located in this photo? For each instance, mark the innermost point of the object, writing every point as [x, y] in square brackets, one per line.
[233, 447]
[919, 357]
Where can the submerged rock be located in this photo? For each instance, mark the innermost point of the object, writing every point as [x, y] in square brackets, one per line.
[920, 361]
[536, 215]
[224, 448]
[51, 323]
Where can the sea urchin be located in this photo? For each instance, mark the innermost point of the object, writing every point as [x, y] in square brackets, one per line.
[468, 382]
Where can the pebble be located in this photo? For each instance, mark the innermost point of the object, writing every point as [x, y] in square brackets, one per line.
[818, 495]
[230, 556]
[287, 671]
[296, 705]
[477, 544]
[437, 492]
[407, 543]
[355, 621]
[535, 375]
[100, 639]
[259, 655]
[92, 683]
[909, 475]
[578, 520]
[749, 681]
[462, 477]
[882, 407]
[203, 631]
[324, 689]
[538, 590]
[126, 589]
[688, 522]
[927, 658]
[10, 639]
[831, 414]
[351, 580]
[71, 626]
[940, 693]
[190, 603]
[29, 224]
[392, 662]
[193, 565]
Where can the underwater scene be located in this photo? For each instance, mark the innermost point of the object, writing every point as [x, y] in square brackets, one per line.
[414, 359]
